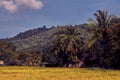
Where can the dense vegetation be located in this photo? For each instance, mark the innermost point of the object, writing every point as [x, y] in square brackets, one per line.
[95, 44]
[29, 33]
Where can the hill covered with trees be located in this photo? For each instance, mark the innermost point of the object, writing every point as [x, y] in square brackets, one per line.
[95, 44]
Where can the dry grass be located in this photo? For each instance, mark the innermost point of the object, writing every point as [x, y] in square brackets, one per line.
[38, 73]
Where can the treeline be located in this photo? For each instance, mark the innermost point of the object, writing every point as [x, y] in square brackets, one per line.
[95, 44]
[11, 57]
[29, 33]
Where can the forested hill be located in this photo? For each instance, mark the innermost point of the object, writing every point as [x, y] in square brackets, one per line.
[39, 38]
[29, 33]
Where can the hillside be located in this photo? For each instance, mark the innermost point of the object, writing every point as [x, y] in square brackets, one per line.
[39, 40]
[29, 33]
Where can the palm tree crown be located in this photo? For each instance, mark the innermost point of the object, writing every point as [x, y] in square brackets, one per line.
[69, 43]
[99, 27]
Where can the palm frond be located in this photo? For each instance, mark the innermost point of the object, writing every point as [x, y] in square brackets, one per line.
[91, 41]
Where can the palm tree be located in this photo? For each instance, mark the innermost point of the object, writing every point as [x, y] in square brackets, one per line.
[100, 27]
[100, 30]
[69, 44]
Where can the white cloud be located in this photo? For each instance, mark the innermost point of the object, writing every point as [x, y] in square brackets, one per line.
[9, 5]
[34, 4]
[14, 5]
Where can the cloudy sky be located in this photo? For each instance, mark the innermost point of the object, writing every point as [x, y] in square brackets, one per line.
[20, 15]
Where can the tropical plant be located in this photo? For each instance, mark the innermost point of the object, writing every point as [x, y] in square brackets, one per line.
[100, 30]
[100, 27]
[69, 45]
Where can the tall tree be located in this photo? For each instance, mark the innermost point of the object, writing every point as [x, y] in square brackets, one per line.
[100, 32]
[69, 45]
[99, 28]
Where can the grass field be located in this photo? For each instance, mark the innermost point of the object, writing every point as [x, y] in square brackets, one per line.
[38, 73]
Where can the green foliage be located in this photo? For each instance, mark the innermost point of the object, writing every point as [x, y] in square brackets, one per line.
[96, 44]
[25, 58]
[99, 28]
[104, 36]
[22, 58]
[69, 43]
[7, 53]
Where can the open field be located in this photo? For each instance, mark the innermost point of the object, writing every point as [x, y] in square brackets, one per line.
[38, 73]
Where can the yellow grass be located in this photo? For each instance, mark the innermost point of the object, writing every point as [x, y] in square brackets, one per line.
[38, 73]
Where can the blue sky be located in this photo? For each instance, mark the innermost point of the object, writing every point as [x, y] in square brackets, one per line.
[20, 15]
